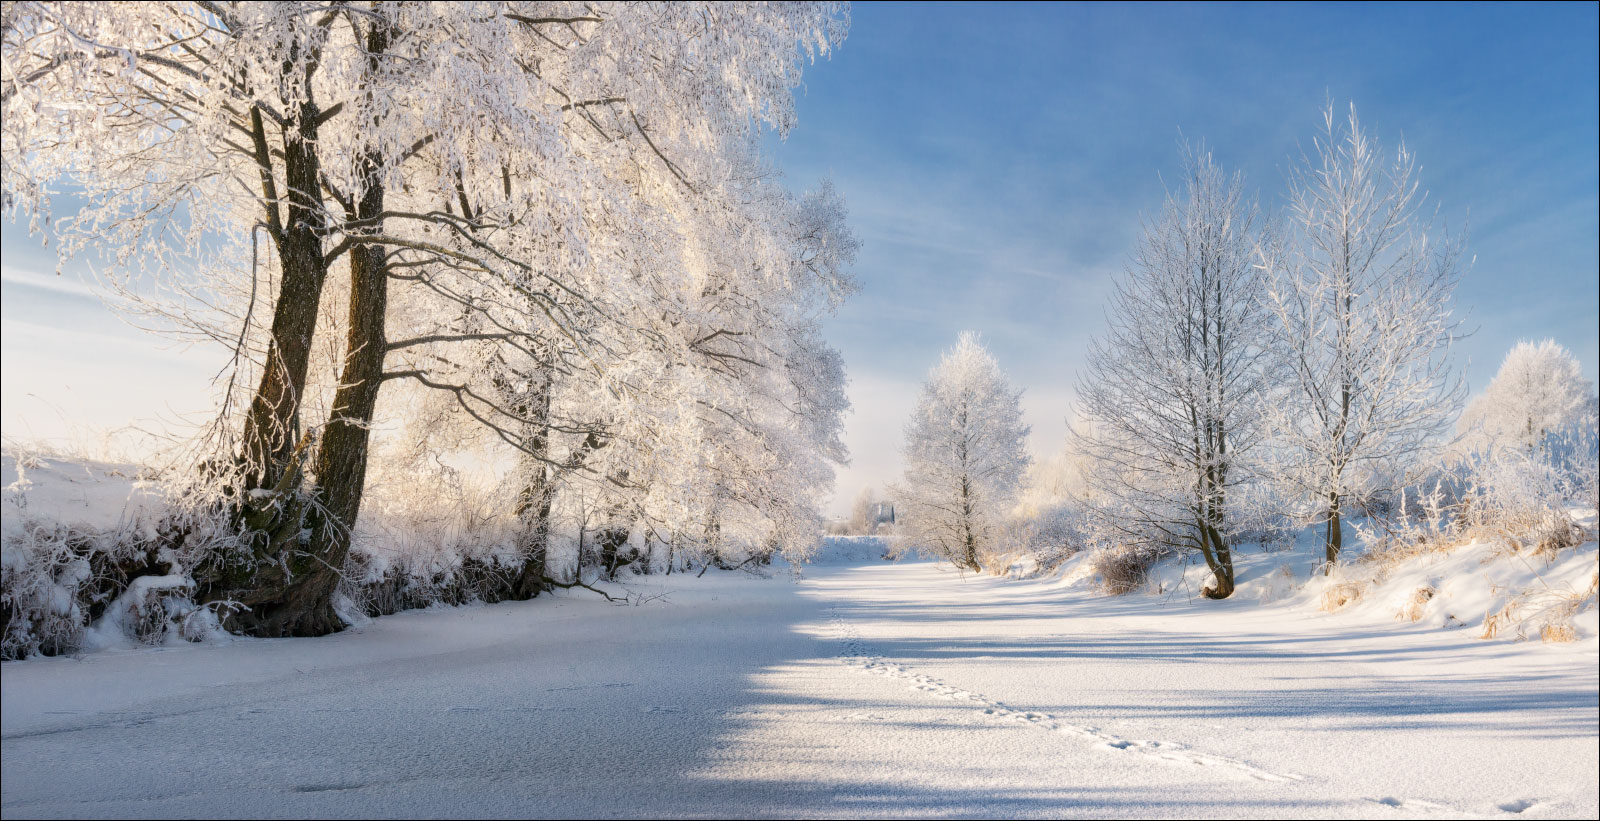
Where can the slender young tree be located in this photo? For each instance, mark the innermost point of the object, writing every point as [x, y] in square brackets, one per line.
[1359, 294]
[1172, 390]
[965, 454]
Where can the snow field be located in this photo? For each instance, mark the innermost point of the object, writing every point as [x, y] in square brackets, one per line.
[865, 688]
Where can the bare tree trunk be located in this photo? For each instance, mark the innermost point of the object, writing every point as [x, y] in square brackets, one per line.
[537, 498]
[1335, 536]
[272, 422]
[969, 539]
[1220, 560]
[583, 533]
[534, 505]
[292, 593]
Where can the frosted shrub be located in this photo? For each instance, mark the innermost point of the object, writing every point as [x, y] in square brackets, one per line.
[61, 579]
[1126, 568]
[1526, 501]
[45, 569]
[61, 576]
[455, 549]
[1049, 535]
[1417, 521]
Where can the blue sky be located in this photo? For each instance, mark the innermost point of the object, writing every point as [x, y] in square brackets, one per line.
[997, 159]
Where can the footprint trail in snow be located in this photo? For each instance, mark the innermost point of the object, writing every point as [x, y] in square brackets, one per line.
[854, 653]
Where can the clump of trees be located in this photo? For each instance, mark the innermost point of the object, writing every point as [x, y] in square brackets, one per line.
[1254, 372]
[1529, 447]
[553, 242]
[1258, 374]
[869, 512]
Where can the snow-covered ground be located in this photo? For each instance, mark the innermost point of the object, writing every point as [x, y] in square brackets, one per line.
[855, 687]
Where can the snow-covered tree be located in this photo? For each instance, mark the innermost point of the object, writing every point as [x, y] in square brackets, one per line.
[861, 512]
[1172, 391]
[1529, 446]
[1538, 391]
[965, 455]
[1359, 295]
[354, 195]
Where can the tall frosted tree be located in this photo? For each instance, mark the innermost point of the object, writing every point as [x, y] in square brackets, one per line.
[965, 455]
[355, 195]
[1538, 391]
[1172, 390]
[1359, 298]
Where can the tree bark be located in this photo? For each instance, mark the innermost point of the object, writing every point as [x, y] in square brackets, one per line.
[536, 499]
[1220, 559]
[272, 423]
[1335, 536]
[291, 594]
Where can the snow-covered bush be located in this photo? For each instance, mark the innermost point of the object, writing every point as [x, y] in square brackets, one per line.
[430, 533]
[42, 595]
[1525, 501]
[1126, 568]
[90, 557]
[1050, 535]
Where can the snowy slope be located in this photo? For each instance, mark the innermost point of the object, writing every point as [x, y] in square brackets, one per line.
[867, 688]
[75, 492]
[1458, 587]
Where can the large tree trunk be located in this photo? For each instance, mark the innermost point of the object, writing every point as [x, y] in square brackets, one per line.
[1219, 557]
[273, 452]
[969, 539]
[1212, 520]
[295, 597]
[291, 594]
[535, 501]
[271, 431]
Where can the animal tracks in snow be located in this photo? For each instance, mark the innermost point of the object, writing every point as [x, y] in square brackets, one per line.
[854, 653]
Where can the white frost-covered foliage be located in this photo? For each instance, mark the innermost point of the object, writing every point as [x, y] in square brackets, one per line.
[1172, 392]
[81, 562]
[1359, 301]
[965, 455]
[582, 259]
[1528, 447]
[1538, 395]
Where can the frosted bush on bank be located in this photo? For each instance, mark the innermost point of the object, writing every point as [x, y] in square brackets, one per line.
[81, 566]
